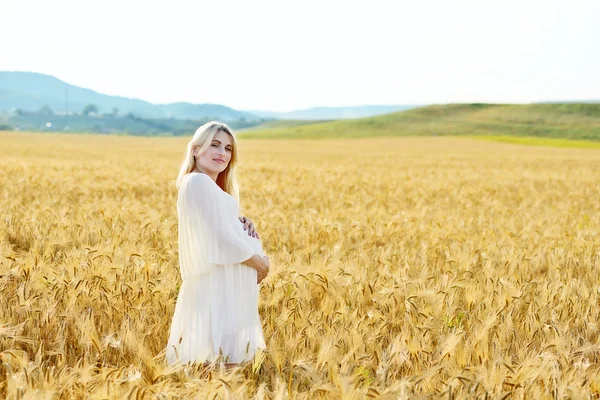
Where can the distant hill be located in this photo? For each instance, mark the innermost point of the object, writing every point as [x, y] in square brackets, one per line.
[565, 120]
[191, 111]
[567, 101]
[30, 91]
[287, 123]
[330, 113]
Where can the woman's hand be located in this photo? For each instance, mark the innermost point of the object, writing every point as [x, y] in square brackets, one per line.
[249, 226]
[263, 271]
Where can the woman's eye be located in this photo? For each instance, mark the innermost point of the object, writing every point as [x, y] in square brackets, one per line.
[228, 149]
[215, 145]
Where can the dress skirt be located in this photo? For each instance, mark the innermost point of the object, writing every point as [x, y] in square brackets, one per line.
[217, 315]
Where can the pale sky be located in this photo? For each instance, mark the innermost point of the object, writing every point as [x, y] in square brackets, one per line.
[283, 55]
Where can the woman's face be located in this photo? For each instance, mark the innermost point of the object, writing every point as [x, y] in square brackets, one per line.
[216, 158]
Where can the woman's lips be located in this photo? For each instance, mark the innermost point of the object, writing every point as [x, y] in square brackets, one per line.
[219, 160]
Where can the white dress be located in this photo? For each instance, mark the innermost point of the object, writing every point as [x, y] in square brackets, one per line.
[217, 306]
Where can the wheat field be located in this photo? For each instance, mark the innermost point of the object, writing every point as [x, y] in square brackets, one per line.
[401, 268]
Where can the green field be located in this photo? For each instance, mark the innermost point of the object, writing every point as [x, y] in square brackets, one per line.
[542, 141]
[580, 121]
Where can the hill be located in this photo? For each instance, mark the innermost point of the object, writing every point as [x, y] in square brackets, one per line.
[566, 120]
[284, 123]
[330, 113]
[30, 91]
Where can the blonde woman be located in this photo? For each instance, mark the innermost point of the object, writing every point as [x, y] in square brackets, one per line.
[220, 262]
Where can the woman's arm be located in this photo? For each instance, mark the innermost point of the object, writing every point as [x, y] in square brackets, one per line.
[206, 220]
[260, 264]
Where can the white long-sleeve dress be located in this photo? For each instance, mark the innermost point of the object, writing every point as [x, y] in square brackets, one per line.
[217, 306]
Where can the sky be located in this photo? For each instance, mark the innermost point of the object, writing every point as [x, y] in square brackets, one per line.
[291, 55]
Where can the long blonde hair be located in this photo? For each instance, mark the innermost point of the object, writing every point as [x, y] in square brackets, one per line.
[202, 139]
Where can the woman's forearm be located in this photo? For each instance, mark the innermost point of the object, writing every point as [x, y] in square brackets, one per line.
[256, 262]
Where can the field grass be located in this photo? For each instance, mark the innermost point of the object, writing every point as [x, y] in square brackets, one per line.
[402, 267]
[568, 121]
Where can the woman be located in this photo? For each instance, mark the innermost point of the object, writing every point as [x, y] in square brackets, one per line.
[220, 264]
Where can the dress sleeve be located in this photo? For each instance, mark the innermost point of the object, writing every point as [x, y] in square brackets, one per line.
[212, 223]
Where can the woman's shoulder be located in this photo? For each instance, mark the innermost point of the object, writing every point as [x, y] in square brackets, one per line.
[198, 178]
[198, 182]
